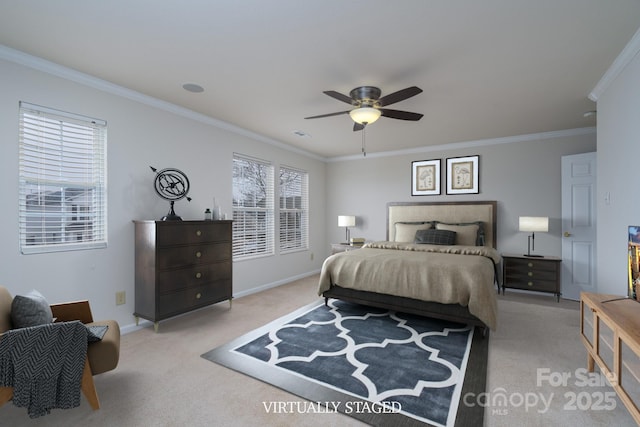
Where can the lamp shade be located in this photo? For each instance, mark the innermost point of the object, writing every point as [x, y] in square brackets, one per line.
[364, 115]
[346, 221]
[534, 223]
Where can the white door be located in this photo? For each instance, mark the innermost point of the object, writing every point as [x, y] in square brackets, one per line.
[578, 272]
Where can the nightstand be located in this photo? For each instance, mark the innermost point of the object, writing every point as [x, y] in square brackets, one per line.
[540, 274]
[342, 247]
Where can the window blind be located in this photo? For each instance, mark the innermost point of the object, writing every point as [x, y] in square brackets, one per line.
[62, 180]
[294, 209]
[253, 207]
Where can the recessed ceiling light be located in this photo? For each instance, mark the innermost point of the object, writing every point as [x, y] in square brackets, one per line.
[192, 87]
[301, 134]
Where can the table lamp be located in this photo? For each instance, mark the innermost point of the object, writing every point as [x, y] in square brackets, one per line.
[533, 224]
[346, 221]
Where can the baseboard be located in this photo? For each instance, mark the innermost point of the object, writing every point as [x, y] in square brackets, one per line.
[132, 327]
[274, 284]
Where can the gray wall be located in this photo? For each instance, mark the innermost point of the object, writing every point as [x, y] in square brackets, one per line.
[523, 176]
[618, 154]
[140, 133]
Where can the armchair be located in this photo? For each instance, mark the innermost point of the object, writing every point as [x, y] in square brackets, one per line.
[102, 355]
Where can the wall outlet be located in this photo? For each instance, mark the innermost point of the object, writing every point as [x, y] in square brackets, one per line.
[121, 297]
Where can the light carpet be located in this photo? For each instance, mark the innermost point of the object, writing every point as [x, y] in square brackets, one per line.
[161, 380]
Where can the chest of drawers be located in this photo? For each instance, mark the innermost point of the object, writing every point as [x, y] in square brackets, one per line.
[181, 266]
[541, 274]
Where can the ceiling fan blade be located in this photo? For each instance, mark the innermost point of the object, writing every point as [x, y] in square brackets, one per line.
[357, 127]
[398, 96]
[328, 115]
[401, 115]
[339, 96]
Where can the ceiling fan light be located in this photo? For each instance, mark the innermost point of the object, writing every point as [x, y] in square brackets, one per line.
[365, 115]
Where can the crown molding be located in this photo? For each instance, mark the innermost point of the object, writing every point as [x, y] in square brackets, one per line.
[626, 56]
[470, 144]
[52, 68]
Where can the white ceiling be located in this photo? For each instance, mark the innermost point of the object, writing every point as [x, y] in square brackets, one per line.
[489, 69]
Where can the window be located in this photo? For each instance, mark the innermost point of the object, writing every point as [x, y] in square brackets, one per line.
[253, 207]
[294, 209]
[62, 168]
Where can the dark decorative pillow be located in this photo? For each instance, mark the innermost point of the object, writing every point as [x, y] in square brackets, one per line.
[31, 309]
[435, 237]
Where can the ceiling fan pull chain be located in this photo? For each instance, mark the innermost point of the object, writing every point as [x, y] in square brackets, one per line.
[364, 150]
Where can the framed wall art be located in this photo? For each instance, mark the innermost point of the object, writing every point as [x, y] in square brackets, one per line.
[425, 177]
[462, 175]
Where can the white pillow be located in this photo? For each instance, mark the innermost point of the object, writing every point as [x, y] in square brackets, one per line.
[406, 231]
[466, 235]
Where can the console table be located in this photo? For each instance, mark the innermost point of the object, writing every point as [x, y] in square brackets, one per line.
[610, 330]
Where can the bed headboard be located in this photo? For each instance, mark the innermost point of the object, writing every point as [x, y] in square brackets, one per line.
[451, 212]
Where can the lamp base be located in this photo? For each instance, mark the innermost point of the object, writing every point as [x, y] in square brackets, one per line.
[530, 240]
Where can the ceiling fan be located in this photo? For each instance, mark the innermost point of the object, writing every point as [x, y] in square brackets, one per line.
[369, 105]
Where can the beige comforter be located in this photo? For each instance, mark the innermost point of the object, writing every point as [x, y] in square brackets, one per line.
[446, 274]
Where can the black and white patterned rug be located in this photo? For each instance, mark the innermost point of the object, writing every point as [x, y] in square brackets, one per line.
[382, 367]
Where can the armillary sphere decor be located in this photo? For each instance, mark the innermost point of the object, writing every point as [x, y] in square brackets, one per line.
[171, 184]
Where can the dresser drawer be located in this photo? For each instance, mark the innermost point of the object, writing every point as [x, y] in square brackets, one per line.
[181, 278]
[531, 264]
[192, 233]
[512, 273]
[532, 284]
[182, 256]
[190, 298]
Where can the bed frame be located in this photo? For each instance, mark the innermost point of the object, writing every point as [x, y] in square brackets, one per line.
[452, 212]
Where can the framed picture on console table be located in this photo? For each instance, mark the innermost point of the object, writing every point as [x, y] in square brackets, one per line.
[462, 175]
[425, 177]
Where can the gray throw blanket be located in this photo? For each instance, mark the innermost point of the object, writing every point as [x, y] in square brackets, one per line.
[44, 365]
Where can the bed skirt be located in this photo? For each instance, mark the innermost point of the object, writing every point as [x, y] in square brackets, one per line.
[451, 312]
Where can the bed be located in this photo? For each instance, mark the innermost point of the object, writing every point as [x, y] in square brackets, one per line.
[455, 279]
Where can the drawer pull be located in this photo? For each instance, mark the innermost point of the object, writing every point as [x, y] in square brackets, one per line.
[198, 275]
[530, 283]
[198, 233]
[198, 254]
[530, 273]
[198, 295]
[530, 265]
